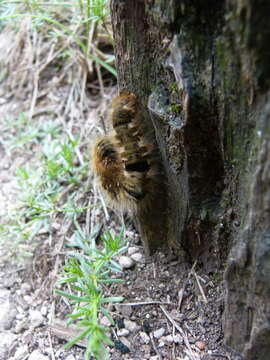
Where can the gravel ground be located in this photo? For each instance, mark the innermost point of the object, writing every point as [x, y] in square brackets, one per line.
[171, 310]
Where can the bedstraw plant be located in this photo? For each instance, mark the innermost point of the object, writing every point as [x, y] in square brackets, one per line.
[88, 273]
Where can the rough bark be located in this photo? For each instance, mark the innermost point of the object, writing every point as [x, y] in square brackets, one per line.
[201, 70]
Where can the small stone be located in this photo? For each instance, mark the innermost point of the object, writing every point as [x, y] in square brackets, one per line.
[130, 325]
[158, 333]
[21, 352]
[125, 310]
[21, 326]
[138, 257]
[70, 357]
[44, 310]
[25, 288]
[123, 332]
[27, 298]
[36, 318]
[126, 342]
[161, 343]
[105, 321]
[126, 262]
[37, 355]
[22, 304]
[169, 339]
[56, 226]
[144, 337]
[8, 311]
[20, 316]
[178, 339]
[6, 340]
[146, 349]
[200, 345]
[10, 281]
[132, 250]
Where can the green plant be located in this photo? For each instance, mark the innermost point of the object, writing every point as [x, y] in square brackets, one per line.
[88, 273]
[42, 184]
[91, 268]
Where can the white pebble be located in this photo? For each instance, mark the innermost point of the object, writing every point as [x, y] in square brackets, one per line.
[169, 339]
[123, 332]
[44, 310]
[105, 321]
[138, 257]
[130, 325]
[37, 355]
[132, 250]
[25, 288]
[36, 318]
[70, 357]
[158, 333]
[28, 299]
[144, 337]
[126, 262]
[21, 352]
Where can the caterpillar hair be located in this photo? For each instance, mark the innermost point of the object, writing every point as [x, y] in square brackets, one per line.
[125, 161]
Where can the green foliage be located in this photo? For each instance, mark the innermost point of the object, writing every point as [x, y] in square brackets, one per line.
[90, 268]
[176, 108]
[41, 186]
[174, 87]
[23, 134]
[87, 272]
[52, 185]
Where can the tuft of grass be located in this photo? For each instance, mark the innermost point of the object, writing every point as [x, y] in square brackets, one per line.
[55, 16]
[64, 34]
[88, 274]
[41, 186]
[21, 133]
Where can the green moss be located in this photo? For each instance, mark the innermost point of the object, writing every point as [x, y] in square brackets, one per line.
[173, 87]
[217, 277]
[175, 108]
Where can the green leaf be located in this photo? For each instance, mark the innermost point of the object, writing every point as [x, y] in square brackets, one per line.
[107, 314]
[71, 296]
[78, 338]
[112, 299]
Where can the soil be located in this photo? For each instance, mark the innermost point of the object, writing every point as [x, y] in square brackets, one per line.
[172, 310]
[175, 311]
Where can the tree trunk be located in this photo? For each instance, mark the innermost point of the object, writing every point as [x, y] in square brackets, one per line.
[201, 70]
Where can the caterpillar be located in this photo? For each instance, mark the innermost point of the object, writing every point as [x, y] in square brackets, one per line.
[124, 161]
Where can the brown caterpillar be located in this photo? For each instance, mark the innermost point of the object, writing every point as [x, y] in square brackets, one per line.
[124, 162]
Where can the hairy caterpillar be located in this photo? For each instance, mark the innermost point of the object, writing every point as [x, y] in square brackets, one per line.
[124, 162]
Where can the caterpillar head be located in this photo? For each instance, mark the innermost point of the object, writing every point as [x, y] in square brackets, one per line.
[104, 156]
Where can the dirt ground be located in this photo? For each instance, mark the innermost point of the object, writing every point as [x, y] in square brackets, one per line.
[171, 310]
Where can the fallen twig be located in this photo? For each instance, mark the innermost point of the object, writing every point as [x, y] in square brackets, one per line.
[51, 347]
[154, 346]
[200, 287]
[146, 303]
[182, 332]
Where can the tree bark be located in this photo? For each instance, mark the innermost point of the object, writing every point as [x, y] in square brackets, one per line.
[201, 71]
